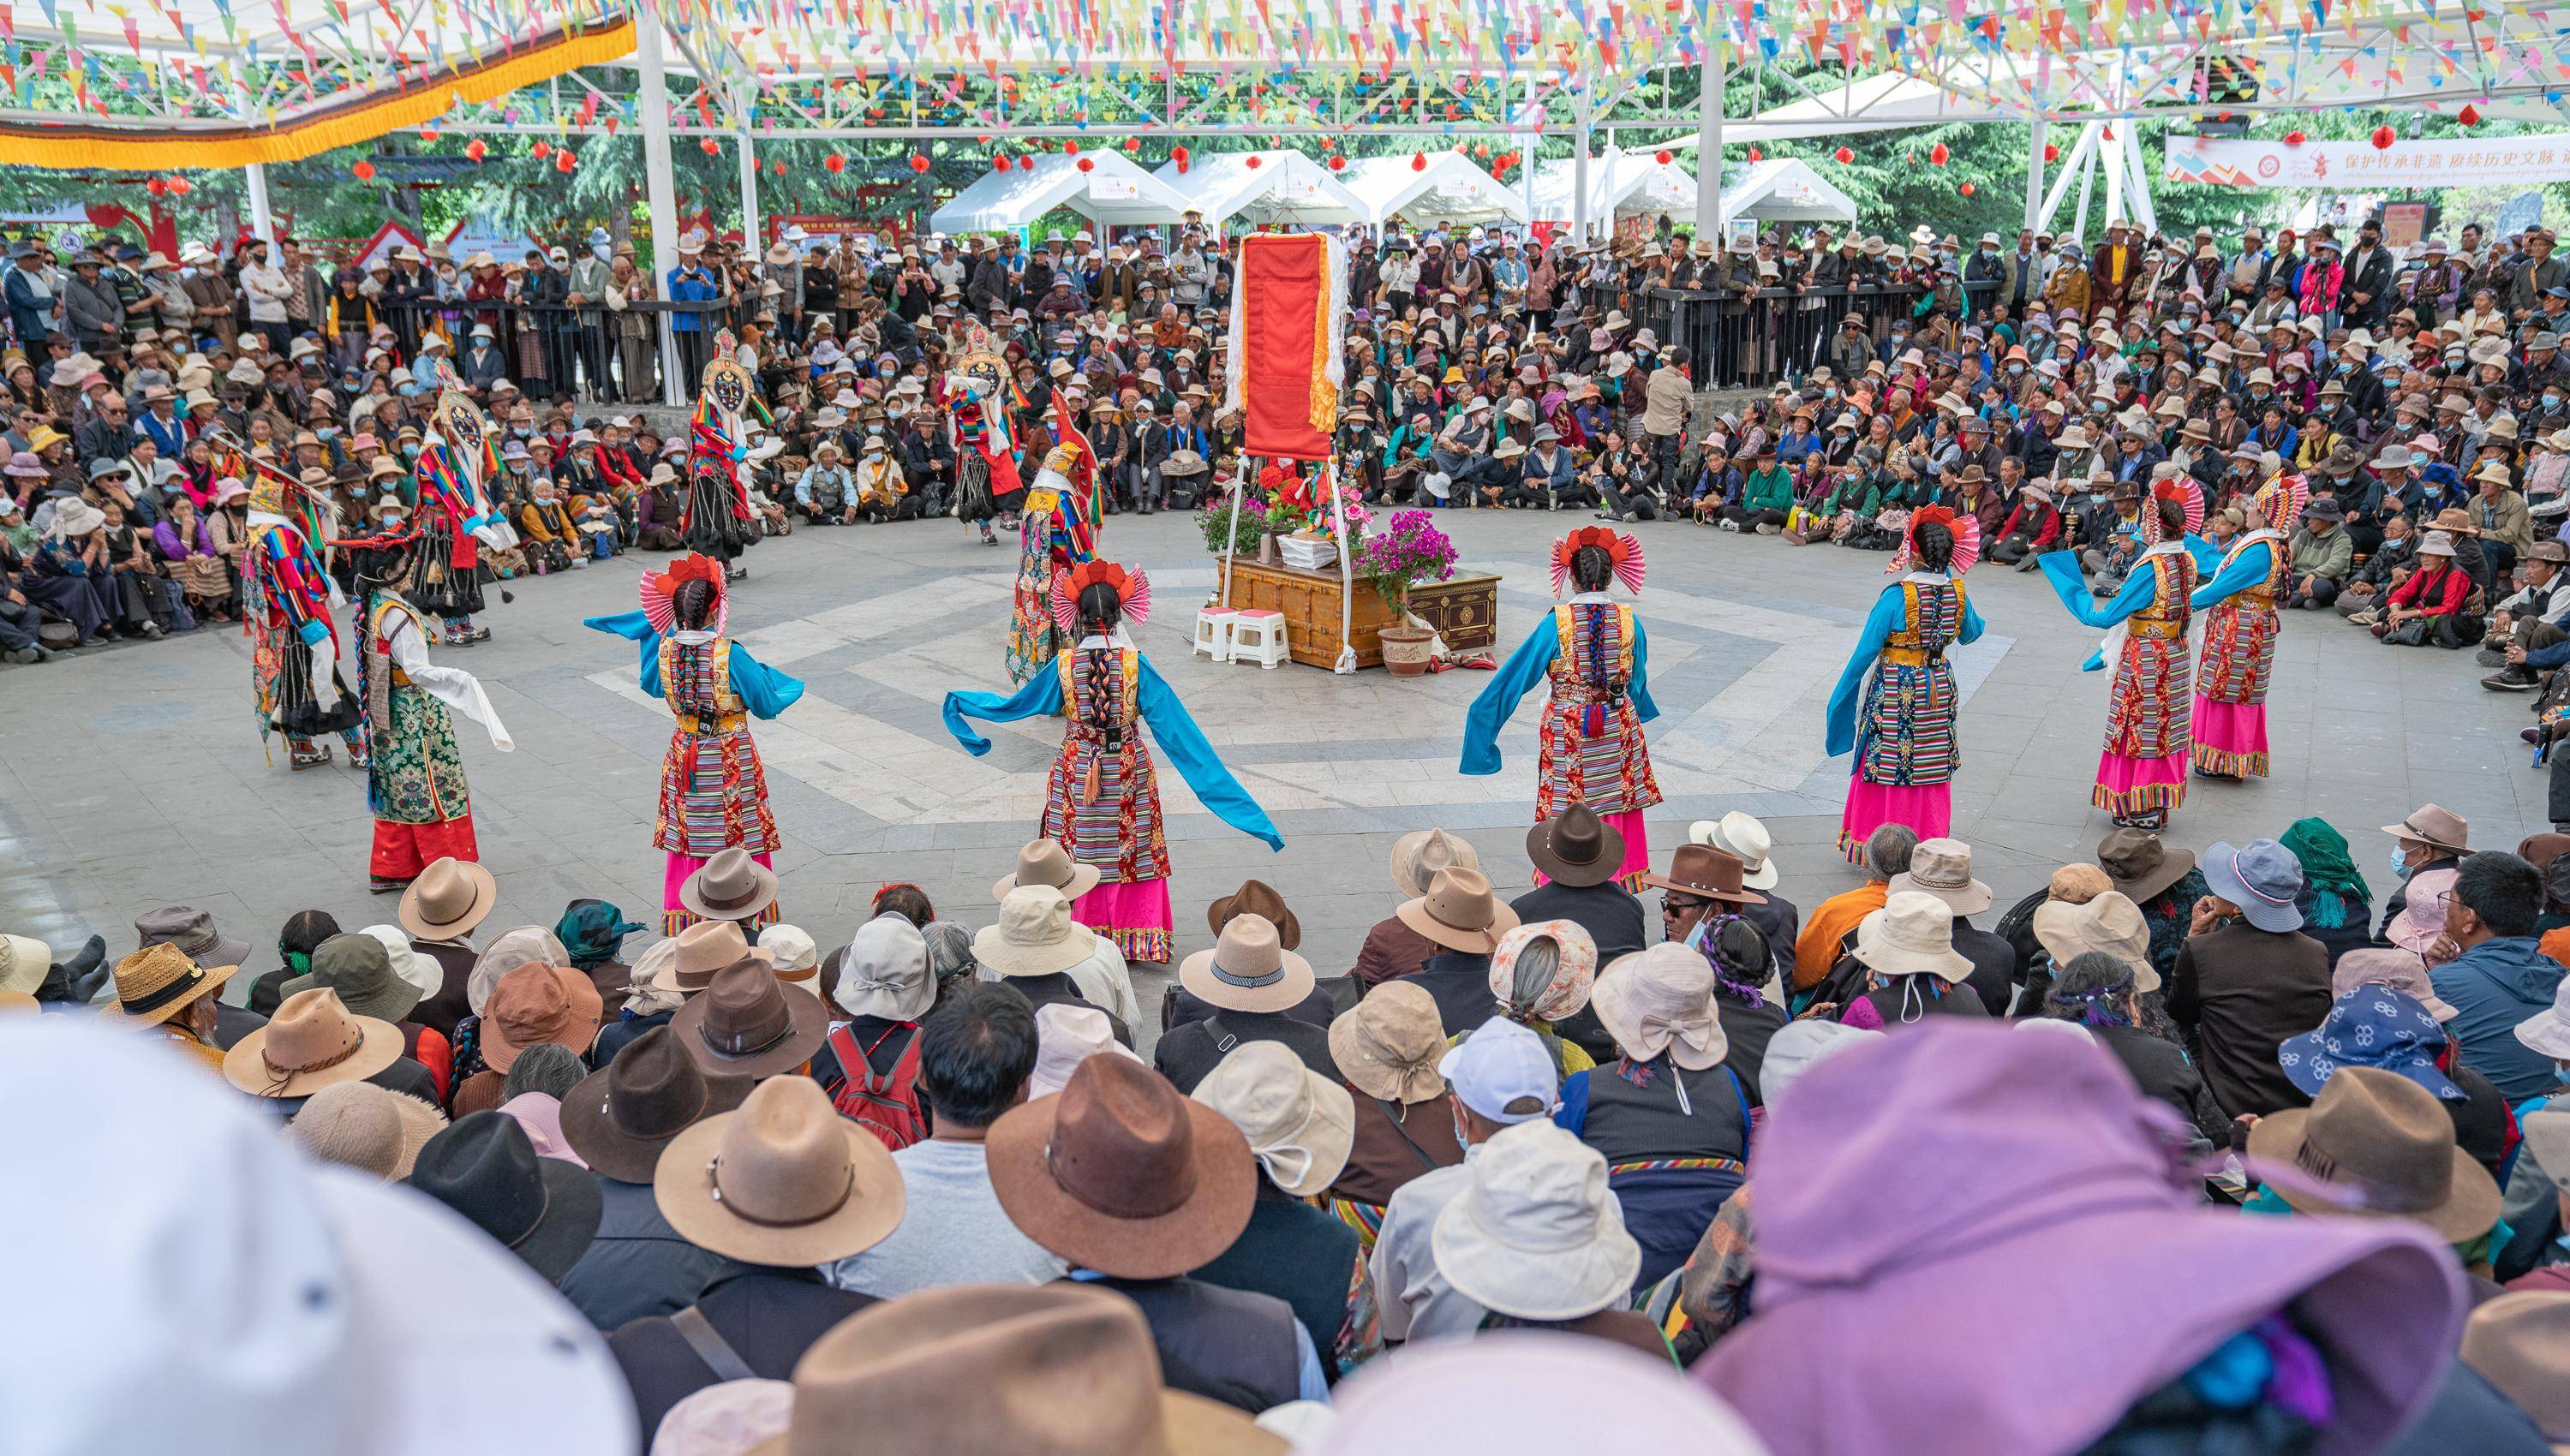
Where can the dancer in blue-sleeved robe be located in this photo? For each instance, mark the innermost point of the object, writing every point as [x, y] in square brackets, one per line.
[1894, 703]
[1101, 797]
[2239, 607]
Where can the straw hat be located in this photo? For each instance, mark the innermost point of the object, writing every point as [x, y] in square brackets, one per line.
[1387, 1045]
[1036, 936]
[1416, 857]
[1742, 836]
[729, 887]
[1459, 911]
[747, 1023]
[1943, 868]
[1300, 1125]
[448, 899]
[2107, 921]
[784, 1181]
[1660, 1000]
[1576, 847]
[1248, 968]
[620, 1119]
[1914, 933]
[1046, 861]
[1536, 1233]
[158, 982]
[538, 1004]
[2380, 1145]
[1057, 1368]
[1120, 1173]
[362, 1126]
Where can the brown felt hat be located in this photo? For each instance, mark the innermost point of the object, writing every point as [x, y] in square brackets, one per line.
[1120, 1173]
[310, 1044]
[1576, 847]
[2435, 824]
[1257, 897]
[1058, 1368]
[2140, 864]
[1706, 872]
[729, 887]
[747, 1023]
[1459, 911]
[2379, 1146]
[1046, 861]
[538, 1004]
[782, 1181]
[619, 1120]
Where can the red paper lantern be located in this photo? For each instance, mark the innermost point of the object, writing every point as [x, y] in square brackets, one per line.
[1340, 163]
[1843, 155]
[918, 163]
[1253, 162]
[2383, 137]
[475, 149]
[2293, 139]
[999, 163]
[1938, 156]
[541, 151]
[181, 186]
[1178, 154]
[776, 168]
[365, 170]
[709, 147]
[2469, 115]
[1071, 147]
[155, 186]
[1755, 155]
[1087, 166]
[2051, 152]
[1418, 161]
[834, 164]
[1132, 143]
[1965, 190]
[1662, 158]
[564, 161]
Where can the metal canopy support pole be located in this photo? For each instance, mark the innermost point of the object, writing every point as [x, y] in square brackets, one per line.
[263, 223]
[2035, 210]
[1708, 140]
[1529, 142]
[1579, 170]
[749, 229]
[2072, 172]
[2110, 155]
[2089, 145]
[2137, 178]
[660, 187]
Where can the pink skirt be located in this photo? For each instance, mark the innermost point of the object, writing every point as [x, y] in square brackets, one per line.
[1927, 809]
[2127, 785]
[675, 916]
[1135, 917]
[2231, 738]
[1637, 849]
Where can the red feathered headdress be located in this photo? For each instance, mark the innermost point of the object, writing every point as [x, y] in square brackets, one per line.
[1624, 555]
[1965, 527]
[1131, 588]
[659, 592]
[2183, 491]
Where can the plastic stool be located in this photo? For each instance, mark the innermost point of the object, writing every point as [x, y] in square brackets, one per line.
[1213, 631]
[1258, 636]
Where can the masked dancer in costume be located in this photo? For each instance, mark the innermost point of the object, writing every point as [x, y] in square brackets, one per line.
[714, 790]
[1102, 799]
[2240, 624]
[414, 772]
[454, 474]
[719, 521]
[287, 594]
[1895, 704]
[1589, 738]
[985, 467]
[2141, 774]
[1058, 531]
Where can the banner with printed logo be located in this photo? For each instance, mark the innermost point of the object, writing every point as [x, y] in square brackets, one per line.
[2355, 166]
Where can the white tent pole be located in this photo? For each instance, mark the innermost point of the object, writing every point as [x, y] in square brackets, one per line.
[1580, 172]
[2087, 180]
[2071, 173]
[1529, 142]
[2034, 208]
[1708, 139]
[659, 188]
[263, 223]
[2137, 177]
[749, 229]
[1239, 488]
[2110, 154]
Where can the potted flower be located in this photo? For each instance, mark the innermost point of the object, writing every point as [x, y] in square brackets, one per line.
[1408, 551]
[1216, 520]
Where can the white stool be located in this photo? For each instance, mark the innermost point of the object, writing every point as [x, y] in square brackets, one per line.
[1258, 636]
[1213, 631]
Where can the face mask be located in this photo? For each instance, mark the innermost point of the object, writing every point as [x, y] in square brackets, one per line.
[2016, 369]
[327, 433]
[2400, 861]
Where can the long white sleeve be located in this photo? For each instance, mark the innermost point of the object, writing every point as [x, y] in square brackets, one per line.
[452, 686]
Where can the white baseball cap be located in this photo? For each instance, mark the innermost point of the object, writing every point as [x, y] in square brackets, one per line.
[1503, 1073]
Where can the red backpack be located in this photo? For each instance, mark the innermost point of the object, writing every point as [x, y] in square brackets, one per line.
[886, 1105]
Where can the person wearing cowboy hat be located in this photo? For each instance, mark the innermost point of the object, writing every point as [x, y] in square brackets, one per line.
[161, 989]
[1034, 945]
[1392, 949]
[1943, 868]
[2099, 951]
[1463, 919]
[665, 976]
[529, 1005]
[2388, 1029]
[2380, 1143]
[1133, 1185]
[619, 1120]
[780, 1186]
[1669, 1096]
[1578, 857]
[1249, 987]
[2247, 977]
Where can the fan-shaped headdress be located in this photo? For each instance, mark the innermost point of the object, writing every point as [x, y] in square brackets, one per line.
[659, 592]
[1133, 590]
[1965, 527]
[2183, 492]
[2279, 503]
[1624, 555]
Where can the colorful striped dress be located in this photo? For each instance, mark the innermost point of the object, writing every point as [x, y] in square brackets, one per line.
[2239, 655]
[1894, 708]
[2141, 773]
[1594, 657]
[1102, 795]
[415, 772]
[713, 787]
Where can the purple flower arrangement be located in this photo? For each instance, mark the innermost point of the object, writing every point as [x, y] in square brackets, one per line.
[1406, 551]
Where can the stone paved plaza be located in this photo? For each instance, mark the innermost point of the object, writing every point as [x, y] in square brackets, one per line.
[133, 777]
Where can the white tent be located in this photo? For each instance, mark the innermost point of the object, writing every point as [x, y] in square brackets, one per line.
[1113, 191]
[1781, 190]
[1448, 190]
[1620, 184]
[1282, 186]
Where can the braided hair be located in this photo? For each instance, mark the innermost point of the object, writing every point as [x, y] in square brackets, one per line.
[1591, 568]
[2094, 990]
[1934, 546]
[1741, 959]
[1100, 610]
[693, 604]
[1537, 961]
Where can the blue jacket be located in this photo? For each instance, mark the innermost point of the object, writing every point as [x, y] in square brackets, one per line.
[2495, 985]
[27, 313]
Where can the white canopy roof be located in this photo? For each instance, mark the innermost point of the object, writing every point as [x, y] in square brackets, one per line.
[1620, 183]
[1781, 190]
[1451, 189]
[1112, 193]
[1283, 187]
